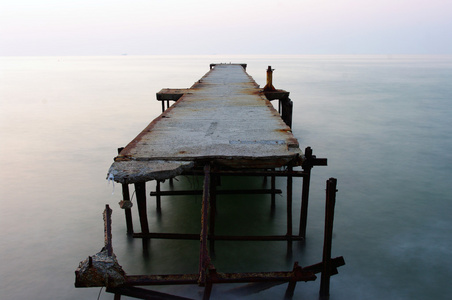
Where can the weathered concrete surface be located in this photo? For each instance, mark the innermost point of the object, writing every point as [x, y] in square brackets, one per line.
[100, 270]
[141, 171]
[224, 118]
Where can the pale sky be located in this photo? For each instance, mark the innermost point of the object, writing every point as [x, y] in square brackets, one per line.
[146, 27]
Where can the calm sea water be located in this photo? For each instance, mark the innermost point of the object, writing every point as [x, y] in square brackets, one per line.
[383, 122]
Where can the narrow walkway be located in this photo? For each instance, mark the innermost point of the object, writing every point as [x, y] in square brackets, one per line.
[223, 118]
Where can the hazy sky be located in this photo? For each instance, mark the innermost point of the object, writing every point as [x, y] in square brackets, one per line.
[142, 27]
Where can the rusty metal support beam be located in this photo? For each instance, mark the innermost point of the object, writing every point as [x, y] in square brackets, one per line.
[140, 191]
[292, 283]
[126, 204]
[273, 188]
[219, 192]
[297, 274]
[107, 230]
[141, 293]
[195, 236]
[335, 263]
[286, 110]
[279, 173]
[309, 162]
[289, 208]
[305, 194]
[212, 211]
[328, 237]
[182, 279]
[204, 259]
[158, 196]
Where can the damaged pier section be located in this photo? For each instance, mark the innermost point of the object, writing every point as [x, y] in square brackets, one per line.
[224, 125]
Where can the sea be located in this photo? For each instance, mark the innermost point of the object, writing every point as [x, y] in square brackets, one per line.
[384, 122]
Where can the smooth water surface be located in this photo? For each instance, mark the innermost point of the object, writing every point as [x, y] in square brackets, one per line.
[383, 122]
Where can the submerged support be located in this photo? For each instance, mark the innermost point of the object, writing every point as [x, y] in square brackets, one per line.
[204, 260]
[107, 230]
[140, 293]
[212, 211]
[289, 208]
[273, 188]
[309, 162]
[126, 204]
[286, 110]
[328, 237]
[158, 198]
[140, 190]
[305, 194]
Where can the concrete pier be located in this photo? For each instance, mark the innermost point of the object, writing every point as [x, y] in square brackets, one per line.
[224, 125]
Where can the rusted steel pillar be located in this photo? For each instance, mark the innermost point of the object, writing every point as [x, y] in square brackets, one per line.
[107, 230]
[305, 193]
[126, 204]
[163, 105]
[269, 86]
[328, 237]
[209, 284]
[212, 211]
[158, 198]
[140, 190]
[289, 206]
[292, 283]
[204, 260]
[273, 187]
[287, 109]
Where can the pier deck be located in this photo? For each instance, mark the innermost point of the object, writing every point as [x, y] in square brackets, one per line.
[223, 118]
